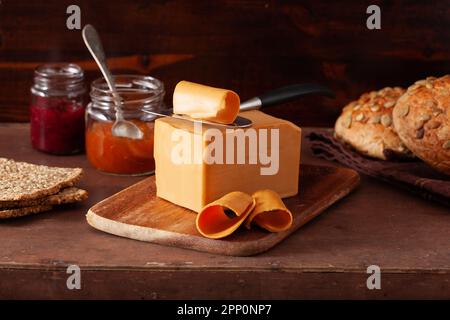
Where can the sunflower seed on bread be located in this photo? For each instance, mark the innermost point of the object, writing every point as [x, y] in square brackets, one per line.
[368, 129]
[25, 181]
[421, 118]
[67, 195]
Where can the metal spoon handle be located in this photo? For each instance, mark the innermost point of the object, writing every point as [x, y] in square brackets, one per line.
[94, 44]
[121, 127]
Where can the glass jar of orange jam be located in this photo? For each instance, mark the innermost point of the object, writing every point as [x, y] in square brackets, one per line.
[119, 155]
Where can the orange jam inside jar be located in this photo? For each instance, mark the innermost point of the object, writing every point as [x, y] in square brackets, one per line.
[120, 155]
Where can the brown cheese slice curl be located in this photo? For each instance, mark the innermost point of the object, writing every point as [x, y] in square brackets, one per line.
[223, 216]
[205, 103]
[270, 212]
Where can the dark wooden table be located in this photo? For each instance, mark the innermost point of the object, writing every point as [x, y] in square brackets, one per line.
[407, 237]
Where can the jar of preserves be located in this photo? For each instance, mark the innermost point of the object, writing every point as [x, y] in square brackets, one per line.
[57, 108]
[120, 155]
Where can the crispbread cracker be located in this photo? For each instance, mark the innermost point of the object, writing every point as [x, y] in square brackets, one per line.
[67, 195]
[19, 212]
[25, 181]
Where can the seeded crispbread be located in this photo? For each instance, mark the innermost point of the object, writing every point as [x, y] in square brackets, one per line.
[25, 181]
[67, 195]
[19, 212]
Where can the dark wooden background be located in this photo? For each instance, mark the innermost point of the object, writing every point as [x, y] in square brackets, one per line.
[247, 45]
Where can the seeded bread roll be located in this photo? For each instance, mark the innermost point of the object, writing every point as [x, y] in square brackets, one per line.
[422, 120]
[366, 125]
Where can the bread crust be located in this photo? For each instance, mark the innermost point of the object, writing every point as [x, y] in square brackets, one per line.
[366, 125]
[422, 120]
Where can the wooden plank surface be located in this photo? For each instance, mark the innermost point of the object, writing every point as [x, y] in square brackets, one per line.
[406, 236]
[249, 46]
[137, 213]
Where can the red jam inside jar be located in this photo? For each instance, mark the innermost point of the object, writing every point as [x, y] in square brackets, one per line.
[57, 110]
[57, 125]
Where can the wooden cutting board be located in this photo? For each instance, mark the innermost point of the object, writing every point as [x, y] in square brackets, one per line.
[137, 213]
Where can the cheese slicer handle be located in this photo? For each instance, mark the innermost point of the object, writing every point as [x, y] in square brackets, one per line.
[285, 94]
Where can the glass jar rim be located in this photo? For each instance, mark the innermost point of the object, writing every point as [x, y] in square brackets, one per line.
[58, 79]
[134, 89]
[59, 70]
[101, 81]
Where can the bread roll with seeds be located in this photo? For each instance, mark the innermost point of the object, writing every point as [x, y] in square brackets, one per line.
[422, 120]
[366, 125]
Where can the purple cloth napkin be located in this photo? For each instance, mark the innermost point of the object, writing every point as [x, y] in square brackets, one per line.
[413, 175]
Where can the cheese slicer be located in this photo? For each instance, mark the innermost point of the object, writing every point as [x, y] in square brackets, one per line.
[277, 96]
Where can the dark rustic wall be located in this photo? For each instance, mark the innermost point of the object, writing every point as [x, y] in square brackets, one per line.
[246, 45]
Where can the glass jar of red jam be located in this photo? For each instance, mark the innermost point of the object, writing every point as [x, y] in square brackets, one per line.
[121, 155]
[58, 108]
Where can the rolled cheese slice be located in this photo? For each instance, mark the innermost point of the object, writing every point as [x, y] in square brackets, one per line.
[205, 103]
[223, 216]
[270, 212]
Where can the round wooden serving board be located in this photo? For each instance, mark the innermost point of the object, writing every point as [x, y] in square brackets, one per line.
[137, 213]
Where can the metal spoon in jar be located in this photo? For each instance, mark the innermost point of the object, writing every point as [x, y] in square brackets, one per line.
[121, 127]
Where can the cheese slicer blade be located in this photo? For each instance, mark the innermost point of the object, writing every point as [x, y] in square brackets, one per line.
[240, 122]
